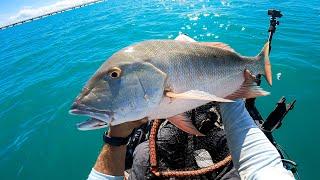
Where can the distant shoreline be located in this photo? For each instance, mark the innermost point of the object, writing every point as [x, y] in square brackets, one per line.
[2, 27]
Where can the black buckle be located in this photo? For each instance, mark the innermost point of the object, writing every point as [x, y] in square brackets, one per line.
[274, 120]
[115, 141]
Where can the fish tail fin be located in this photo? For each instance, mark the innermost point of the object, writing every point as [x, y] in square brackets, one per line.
[263, 58]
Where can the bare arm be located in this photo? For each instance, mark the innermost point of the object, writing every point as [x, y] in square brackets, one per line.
[110, 163]
[111, 160]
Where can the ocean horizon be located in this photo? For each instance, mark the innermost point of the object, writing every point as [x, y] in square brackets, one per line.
[46, 62]
[31, 14]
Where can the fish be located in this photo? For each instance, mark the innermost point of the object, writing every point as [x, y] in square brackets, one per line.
[163, 79]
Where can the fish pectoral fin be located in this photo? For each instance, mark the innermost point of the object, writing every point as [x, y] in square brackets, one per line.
[249, 88]
[197, 95]
[185, 124]
[218, 45]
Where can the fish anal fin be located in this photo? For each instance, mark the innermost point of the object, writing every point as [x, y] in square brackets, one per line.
[196, 95]
[218, 45]
[185, 124]
[249, 88]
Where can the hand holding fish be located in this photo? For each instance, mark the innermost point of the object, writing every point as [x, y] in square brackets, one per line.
[111, 159]
[125, 129]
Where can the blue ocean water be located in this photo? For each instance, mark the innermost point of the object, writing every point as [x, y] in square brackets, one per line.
[45, 63]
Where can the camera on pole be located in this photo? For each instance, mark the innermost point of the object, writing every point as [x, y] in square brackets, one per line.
[273, 23]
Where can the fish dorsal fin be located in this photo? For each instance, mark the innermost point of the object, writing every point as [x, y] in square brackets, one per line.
[218, 45]
[249, 88]
[184, 38]
[196, 95]
[185, 124]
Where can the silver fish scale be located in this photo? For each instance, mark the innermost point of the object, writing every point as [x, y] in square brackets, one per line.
[185, 66]
[188, 66]
[191, 66]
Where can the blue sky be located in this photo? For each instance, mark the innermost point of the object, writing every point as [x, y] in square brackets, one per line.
[11, 7]
[12, 11]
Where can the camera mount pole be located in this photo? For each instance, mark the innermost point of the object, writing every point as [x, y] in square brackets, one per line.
[275, 118]
[250, 103]
[273, 23]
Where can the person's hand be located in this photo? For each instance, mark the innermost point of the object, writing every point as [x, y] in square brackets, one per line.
[125, 129]
[111, 160]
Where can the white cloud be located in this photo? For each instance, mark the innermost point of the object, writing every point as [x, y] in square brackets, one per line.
[29, 12]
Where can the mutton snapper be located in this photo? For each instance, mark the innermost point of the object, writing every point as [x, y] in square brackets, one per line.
[161, 79]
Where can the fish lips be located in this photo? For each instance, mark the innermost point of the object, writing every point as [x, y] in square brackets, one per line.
[98, 118]
[91, 124]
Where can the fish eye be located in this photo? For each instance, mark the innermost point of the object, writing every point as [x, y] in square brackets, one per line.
[114, 73]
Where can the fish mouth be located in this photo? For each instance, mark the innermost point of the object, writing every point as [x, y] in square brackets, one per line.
[98, 118]
[91, 124]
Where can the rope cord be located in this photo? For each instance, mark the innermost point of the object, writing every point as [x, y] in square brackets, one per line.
[177, 173]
